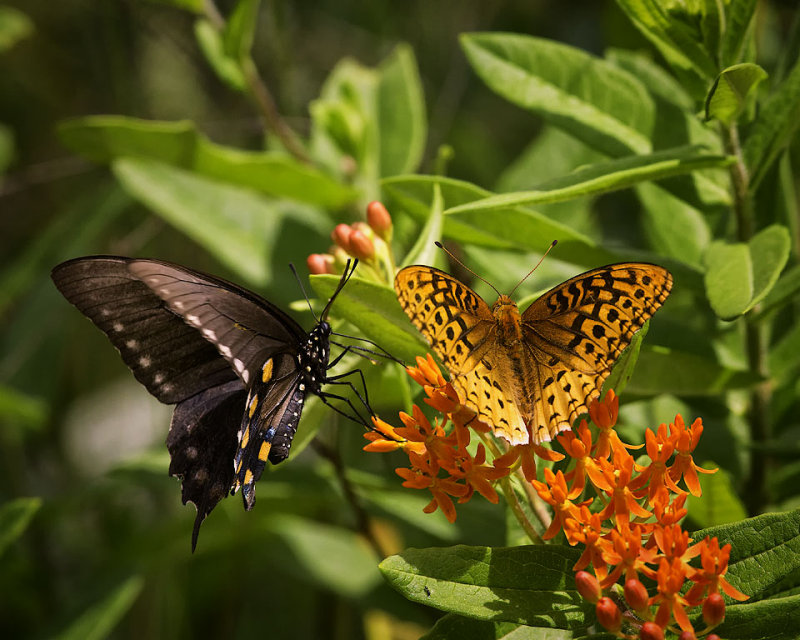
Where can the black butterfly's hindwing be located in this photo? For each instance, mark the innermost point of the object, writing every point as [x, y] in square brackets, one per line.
[237, 367]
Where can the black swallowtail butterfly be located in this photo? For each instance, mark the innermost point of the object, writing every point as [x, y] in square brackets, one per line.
[237, 368]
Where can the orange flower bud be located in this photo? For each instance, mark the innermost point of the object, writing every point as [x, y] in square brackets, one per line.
[361, 246]
[318, 263]
[687, 635]
[714, 609]
[588, 586]
[636, 595]
[341, 236]
[608, 614]
[651, 631]
[713, 636]
[379, 219]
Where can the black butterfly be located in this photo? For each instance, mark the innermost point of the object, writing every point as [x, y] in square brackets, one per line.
[237, 367]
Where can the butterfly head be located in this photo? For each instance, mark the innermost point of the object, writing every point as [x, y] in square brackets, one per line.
[509, 323]
[348, 272]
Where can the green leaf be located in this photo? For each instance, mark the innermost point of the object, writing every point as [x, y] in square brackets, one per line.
[424, 250]
[374, 309]
[227, 68]
[674, 227]
[623, 368]
[764, 561]
[104, 138]
[240, 28]
[97, 622]
[784, 291]
[239, 227]
[15, 516]
[512, 227]
[662, 370]
[784, 356]
[531, 585]
[402, 124]
[738, 276]
[454, 626]
[674, 28]
[658, 80]
[14, 26]
[349, 563]
[593, 100]
[603, 177]
[775, 127]
[732, 91]
[773, 619]
[738, 32]
[719, 503]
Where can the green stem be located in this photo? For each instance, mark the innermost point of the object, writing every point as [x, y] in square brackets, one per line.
[756, 341]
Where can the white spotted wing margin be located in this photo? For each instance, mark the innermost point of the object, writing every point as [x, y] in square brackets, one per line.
[204, 344]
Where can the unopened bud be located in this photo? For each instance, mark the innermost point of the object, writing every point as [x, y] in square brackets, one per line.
[341, 236]
[588, 586]
[379, 219]
[714, 609]
[608, 614]
[361, 246]
[651, 631]
[712, 636]
[636, 595]
[318, 263]
[687, 635]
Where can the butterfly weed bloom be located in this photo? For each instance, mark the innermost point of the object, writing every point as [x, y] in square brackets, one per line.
[625, 513]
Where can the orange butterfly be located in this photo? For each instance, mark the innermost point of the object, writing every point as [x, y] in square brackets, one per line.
[541, 368]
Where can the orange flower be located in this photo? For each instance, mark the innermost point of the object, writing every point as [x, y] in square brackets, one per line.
[603, 414]
[685, 443]
[627, 554]
[554, 492]
[384, 438]
[614, 479]
[654, 476]
[579, 448]
[709, 579]
[671, 603]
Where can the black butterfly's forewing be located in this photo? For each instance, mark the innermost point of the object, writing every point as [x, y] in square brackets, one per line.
[170, 358]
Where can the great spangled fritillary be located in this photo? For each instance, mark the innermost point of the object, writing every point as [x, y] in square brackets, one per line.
[538, 369]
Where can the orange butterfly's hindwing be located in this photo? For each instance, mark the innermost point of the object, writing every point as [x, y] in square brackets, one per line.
[538, 370]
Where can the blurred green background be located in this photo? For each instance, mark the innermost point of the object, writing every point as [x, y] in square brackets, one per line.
[107, 551]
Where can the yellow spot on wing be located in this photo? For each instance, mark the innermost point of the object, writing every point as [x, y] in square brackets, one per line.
[263, 452]
[266, 371]
[253, 405]
[245, 438]
[248, 477]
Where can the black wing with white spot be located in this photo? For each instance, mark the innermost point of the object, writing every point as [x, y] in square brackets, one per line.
[237, 367]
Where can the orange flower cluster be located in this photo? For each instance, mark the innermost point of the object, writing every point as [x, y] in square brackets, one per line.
[626, 516]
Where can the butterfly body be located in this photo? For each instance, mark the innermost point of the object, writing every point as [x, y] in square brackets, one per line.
[530, 374]
[237, 368]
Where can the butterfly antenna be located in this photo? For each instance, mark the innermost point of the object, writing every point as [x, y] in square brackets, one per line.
[348, 272]
[553, 244]
[443, 248]
[303, 289]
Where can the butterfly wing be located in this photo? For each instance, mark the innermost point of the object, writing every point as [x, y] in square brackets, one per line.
[575, 332]
[170, 358]
[461, 329]
[199, 342]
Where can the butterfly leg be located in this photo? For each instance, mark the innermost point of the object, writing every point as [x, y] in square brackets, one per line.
[338, 380]
[324, 396]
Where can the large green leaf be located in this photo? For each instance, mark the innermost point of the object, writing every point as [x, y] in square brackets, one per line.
[675, 28]
[97, 622]
[454, 626]
[738, 276]
[602, 178]
[211, 43]
[719, 503]
[531, 585]
[777, 122]
[374, 309]
[239, 227]
[508, 228]
[595, 101]
[105, 138]
[402, 124]
[661, 370]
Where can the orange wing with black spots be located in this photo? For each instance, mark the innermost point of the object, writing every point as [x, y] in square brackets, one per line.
[541, 368]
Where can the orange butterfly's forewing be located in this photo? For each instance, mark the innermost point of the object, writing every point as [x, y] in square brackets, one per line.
[539, 369]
